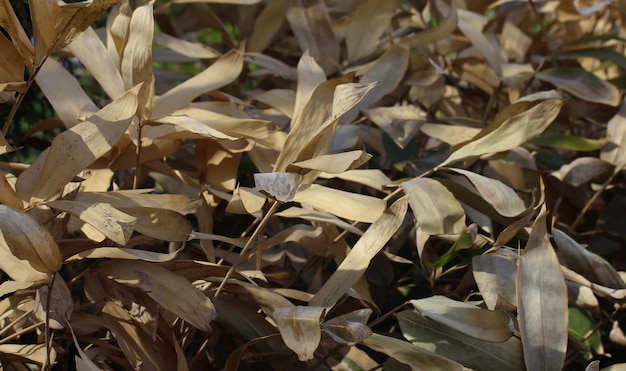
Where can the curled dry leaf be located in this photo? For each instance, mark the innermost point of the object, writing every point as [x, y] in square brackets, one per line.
[300, 329]
[113, 223]
[350, 328]
[582, 170]
[281, 186]
[29, 241]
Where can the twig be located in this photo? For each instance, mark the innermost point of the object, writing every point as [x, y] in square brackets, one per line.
[21, 332]
[20, 98]
[595, 197]
[248, 245]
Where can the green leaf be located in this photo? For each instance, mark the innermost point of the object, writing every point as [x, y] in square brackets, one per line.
[580, 323]
[569, 142]
[597, 53]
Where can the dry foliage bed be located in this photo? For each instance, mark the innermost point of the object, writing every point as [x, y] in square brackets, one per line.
[351, 184]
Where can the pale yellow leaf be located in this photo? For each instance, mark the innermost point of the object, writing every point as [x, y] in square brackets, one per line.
[335, 163]
[224, 71]
[74, 103]
[373, 178]
[182, 204]
[162, 285]
[358, 259]
[37, 353]
[184, 47]
[123, 253]
[370, 20]
[245, 201]
[317, 216]
[542, 301]
[436, 209]
[510, 134]
[450, 134]
[300, 329]
[88, 48]
[73, 150]
[343, 204]
[267, 24]
[113, 223]
[310, 75]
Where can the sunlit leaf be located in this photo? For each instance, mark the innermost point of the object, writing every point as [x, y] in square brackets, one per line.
[370, 19]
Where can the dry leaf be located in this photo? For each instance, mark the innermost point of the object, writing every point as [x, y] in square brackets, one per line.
[542, 301]
[300, 329]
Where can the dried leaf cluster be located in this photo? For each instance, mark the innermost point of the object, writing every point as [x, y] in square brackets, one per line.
[390, 184]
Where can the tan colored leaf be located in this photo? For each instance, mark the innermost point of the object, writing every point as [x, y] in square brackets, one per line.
[358, 259]
[88, 48]
[466, 318]
[494, 274]
[542, 301]
[350, 328]
[73, 150]
[471, 24]
[513, 132]
[310, 24]
[29, 241]
[123, 253]
[478, 354]
[400, 122]
[11, 63]
[411, 355]
[373, 178]
[182, 204]
[430, 35]
[162, 224]
[450, 134]
[246, 201]
[281, 186]
[113, 223]
[9, 287]
[435, 208]
[267, 24]
[37, 353]
[184, 47]
[162, 285]
[224, 71]
[11, 24]
[310, 76]
[300, 329]
[57, 24]
[582, 84]
[58, 307]
[503, 198]
[7, 194]
[73, 104]
[317, 216]
[370, 20]
[336, 163]
[343, 204]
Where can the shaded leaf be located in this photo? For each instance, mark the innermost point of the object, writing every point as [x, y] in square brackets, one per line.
[370, 19]
[582, 84]
[542, 302]
[300, 329]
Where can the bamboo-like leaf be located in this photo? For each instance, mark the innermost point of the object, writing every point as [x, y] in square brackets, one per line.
[370, 19]
[336, 163]
[11, 24]
[28, 241]
[123, 253]
[478, 354]
[37, 353]
[224, 71]
[413, 356]
[354, 265]
[503, 199]
[58, 307]
[281, 186]
[300, 329]
[162, 224]
[435, 208]
[615, 150]
[317, 216]
[494, 275]
[348, 205]
[513, 132]
[162, 285]
[466, 318]
[311, 25]
[113, 223]
[582, 84]
[182, 204]
[267, 24]
[542, 302]
[73, 150]
[350, 328]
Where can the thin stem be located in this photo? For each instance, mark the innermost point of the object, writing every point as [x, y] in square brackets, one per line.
[21, 332]
[15, 322]
[248, 245]
[137, 163]
[593, 198]
[47, 323]
[20, 98]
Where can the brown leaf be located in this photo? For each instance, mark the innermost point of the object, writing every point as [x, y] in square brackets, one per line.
[300, 329]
